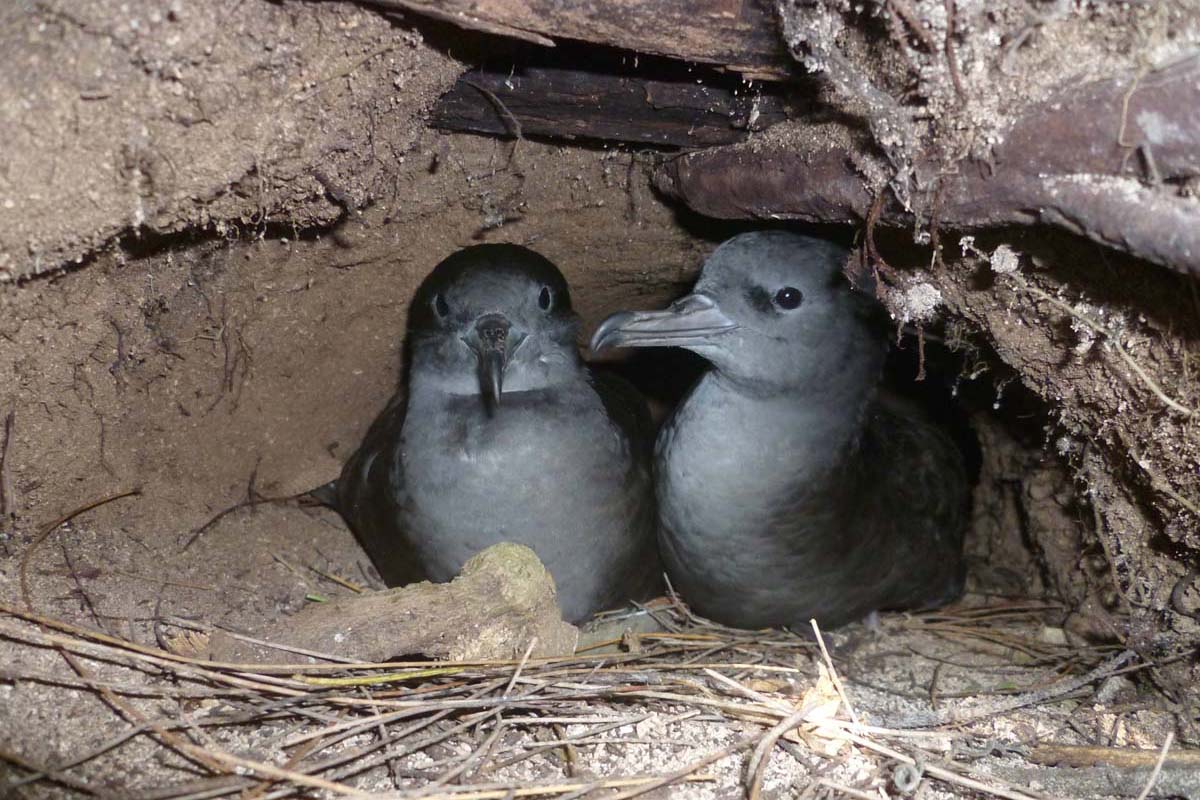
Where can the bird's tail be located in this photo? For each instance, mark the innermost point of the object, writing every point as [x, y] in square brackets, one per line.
[326, 494]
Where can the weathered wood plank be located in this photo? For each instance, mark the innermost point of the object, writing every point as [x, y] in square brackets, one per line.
[740, 35]
[549, 101]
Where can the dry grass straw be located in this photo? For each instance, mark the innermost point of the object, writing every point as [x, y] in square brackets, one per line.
[333, 722]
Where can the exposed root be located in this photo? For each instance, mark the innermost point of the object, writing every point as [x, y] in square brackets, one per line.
[903, 10]
[23, 569]
[8, 502]
[951, 55]
[1096, 327]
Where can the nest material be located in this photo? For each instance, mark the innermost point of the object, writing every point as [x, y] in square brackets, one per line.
[977, 700]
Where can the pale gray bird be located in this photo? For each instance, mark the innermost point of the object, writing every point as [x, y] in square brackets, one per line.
[789, 488]
[504, 434]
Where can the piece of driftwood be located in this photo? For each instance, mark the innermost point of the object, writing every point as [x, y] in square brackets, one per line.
[1112, 161]
[741, 35]
[572, 103]
[501, 602]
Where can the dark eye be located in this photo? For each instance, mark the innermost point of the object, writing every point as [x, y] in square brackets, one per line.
[788, 297]
[439, 305]
[545, 298]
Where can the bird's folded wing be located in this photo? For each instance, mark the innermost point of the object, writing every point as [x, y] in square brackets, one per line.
[372, 496]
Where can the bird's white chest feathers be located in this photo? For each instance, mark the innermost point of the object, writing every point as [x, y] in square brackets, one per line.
[728, 467]
[514, 476]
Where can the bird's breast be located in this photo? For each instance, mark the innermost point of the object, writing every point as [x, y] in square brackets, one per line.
[749, 482]
[525, 432]
[524, 473]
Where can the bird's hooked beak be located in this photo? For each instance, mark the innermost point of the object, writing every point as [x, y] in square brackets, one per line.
[690, 321]
[491, 344]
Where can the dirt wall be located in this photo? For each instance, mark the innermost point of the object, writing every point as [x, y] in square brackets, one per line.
[151, 117]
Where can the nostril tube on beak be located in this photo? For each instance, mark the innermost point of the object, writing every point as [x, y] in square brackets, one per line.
[492, 351]
[492, 331]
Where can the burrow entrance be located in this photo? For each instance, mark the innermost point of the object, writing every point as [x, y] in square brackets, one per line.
[211, 224]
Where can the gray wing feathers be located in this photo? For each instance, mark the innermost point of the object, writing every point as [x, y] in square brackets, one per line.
[371, 497]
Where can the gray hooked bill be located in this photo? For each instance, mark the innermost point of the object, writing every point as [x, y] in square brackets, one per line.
[491, 346]
[691, 321]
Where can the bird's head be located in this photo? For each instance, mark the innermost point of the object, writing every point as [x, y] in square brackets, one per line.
[771, 310]
[493, 318]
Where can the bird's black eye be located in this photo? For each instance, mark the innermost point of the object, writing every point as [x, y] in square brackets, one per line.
[789, 297]
[545, 298]
[439, 305]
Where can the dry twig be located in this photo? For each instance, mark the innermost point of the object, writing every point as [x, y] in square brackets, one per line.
[8, 503]
[955, 716]
[837, 682]
[1158, 765]
[45, 532]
